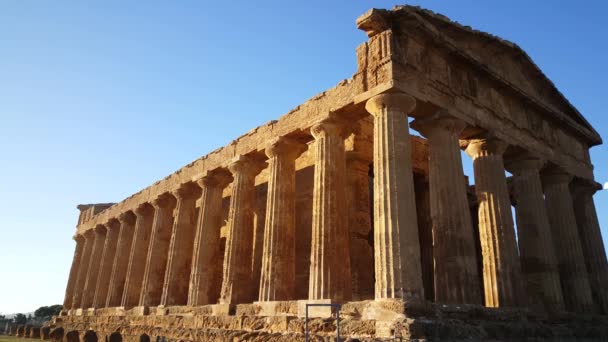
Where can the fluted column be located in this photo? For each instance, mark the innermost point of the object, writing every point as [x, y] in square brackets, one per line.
[156, 260]
[397, 247]
[278, 277]
[571, 262]
[206, 274]
[179, 259]
[501, 266]
[83, 269]
[91, 282]
[238, 253]
[121, 259]
[537, 256]
[137, 260]
[330, 276]
[456, 277]
[591, 241]
[106, 261]
[359, 224]
[76, 261]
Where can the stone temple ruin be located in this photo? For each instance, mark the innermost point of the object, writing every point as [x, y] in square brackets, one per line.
[337, 203]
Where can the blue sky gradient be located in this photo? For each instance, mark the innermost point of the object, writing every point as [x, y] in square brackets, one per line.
[101, 99]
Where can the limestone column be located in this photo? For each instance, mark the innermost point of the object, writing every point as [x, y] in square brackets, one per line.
[83, 269]
[278, 276]
[137, 260]
[571, 262]
[359, 224]
[330, 276]
[592, 242]
[91, 282]
[106, 261]
[396, 243]
[76, 261]
[179, 259]
[206, 274]
[238, 252]
[456, 278]
[537, 256]
[156, 260]
[121, 259]
[501, 266]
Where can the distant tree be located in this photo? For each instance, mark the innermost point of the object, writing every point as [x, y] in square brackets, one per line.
[55, 309]
[20, 319]
[47, 311]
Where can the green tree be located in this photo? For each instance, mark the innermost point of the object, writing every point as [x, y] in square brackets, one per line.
[47, 311]
[20, 319]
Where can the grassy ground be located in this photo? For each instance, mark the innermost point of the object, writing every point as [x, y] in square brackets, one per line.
[4, 338]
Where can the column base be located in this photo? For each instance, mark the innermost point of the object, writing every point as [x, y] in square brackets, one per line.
[315, 311]
[90, 312]
[77, 312]
[116, 311]
[276, 308]
[140, 311]
[160, 311]
[222, 309]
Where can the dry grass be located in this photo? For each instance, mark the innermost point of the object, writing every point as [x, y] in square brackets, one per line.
[5, 338]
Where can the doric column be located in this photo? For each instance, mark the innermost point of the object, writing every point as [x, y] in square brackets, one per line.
[591, 241]
[330, 276]
[501, 266]
[121, 259]
[359, 224]
[206, 274]
[156, 260]
[91, 282]
[537, 257]
[137, 260]
[278, 276]
[571, 262]
[83, 269]
[456, 278]
[76, 261]
[425, 234]
[179, 259]
[107, 261]
[397, 247]
[238, 253]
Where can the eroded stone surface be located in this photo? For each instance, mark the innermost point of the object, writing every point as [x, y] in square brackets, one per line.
[337, 201]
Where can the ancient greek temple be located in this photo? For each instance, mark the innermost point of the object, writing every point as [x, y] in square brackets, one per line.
[358, 197]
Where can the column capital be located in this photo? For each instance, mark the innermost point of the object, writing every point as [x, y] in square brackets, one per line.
[78, 238]
[143, 209]
[89, 234]
[247, 165]
[285, 147]
[215, 178]
[400, 101]
[485, 146]
[584, 187]
[330, 127]
[100, 229]
[165, 200]
[522, 162]
[441, 120]
[127, 217]
[187, 190]
[556, 176]
[112, 223]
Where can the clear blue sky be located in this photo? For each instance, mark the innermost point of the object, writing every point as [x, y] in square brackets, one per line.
[100, 99]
